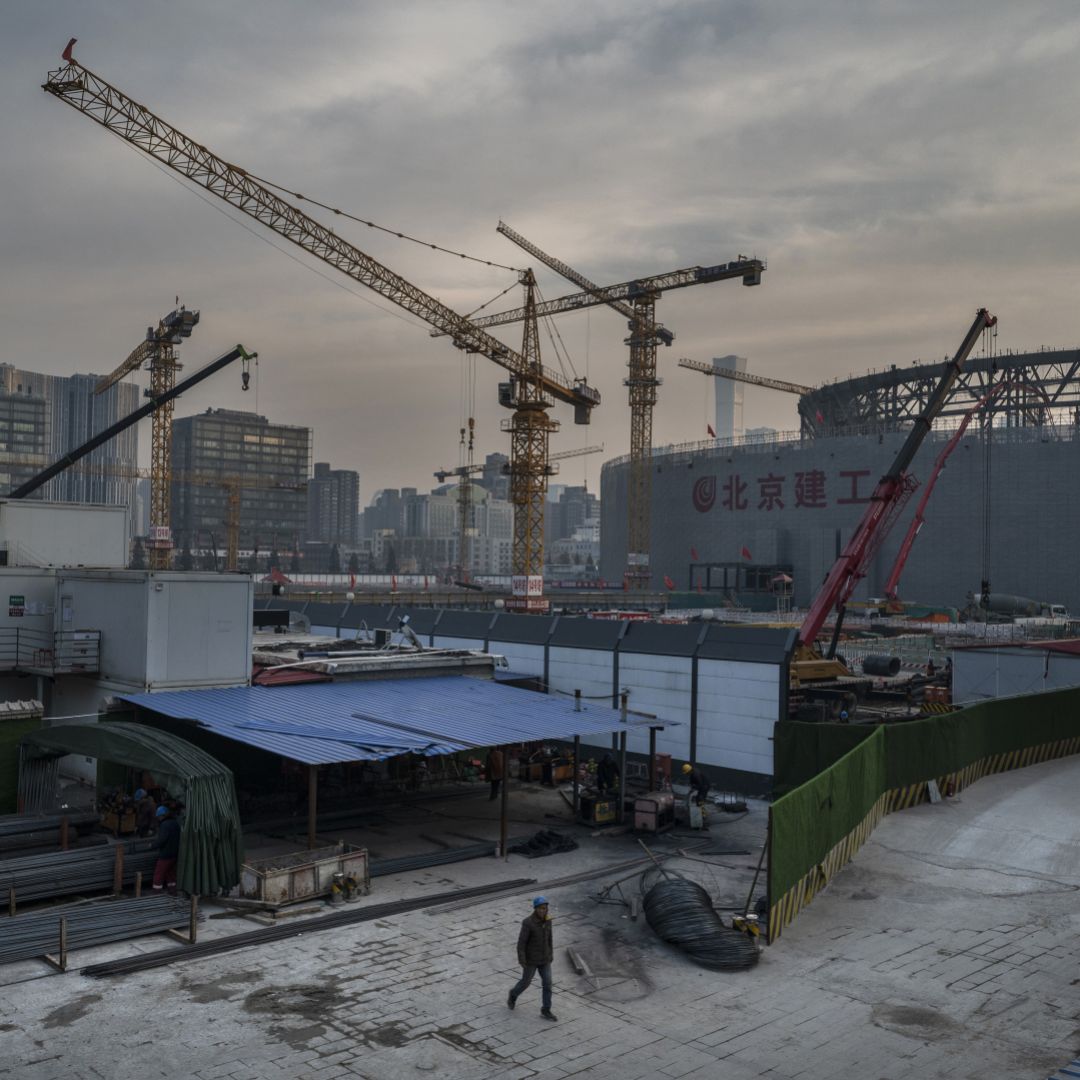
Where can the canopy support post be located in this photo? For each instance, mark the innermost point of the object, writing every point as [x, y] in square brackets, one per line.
[312, 804]
[504, 791]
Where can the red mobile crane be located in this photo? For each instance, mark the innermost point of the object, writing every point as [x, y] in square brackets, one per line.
[888, 500]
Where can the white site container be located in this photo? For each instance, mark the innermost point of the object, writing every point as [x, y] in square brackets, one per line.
[302, 875]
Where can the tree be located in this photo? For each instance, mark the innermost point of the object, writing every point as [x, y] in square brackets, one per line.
[294, 560]
[273, 560]
[253, 561]
[354, 563]
[577, 558]
[333, 561]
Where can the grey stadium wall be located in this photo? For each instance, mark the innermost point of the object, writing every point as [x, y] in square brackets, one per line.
[796, 502]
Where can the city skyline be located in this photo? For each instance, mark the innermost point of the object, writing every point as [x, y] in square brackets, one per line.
[882, 165]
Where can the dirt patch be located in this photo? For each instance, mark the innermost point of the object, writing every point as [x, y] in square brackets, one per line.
[68, 1014]
[307, 1000]
[9, 1027]
[913, 1020]
[205, 991]
[391, 1034]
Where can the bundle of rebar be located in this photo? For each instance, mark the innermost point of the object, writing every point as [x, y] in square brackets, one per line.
[61, 873]
[278, 933]
[404, 863]
[38, 933]
[13, 824]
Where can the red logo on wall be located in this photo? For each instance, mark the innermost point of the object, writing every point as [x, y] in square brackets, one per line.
[704, 494]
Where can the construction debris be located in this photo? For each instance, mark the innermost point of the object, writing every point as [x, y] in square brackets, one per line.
[545, 842]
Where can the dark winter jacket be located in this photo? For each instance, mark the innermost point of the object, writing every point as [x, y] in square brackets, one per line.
[534, 942]
[699, 784]
[168, 838]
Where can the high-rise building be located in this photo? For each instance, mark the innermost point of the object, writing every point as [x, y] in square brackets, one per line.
[267, 463]
[729, 397]
[22, 439]
[73, 414]
[333, 505]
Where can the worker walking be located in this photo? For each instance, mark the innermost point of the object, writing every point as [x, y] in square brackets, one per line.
[496, 765]
[535, 953]
[145, 811]
[168, 851]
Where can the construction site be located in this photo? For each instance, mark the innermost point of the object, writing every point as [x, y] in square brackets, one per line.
[784, 790]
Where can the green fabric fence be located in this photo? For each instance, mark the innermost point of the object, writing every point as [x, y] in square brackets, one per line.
[867, 772]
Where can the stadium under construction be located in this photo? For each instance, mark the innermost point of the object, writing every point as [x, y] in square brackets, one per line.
[731, 515]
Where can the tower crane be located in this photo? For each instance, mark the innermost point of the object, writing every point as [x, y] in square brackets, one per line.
[641, 381]
[745, 377]
[158, 352]
[534, 389]
[464, 494]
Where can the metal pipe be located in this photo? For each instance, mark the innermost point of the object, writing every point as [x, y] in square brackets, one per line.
[504, 802]
[577, 775]
[312, 804]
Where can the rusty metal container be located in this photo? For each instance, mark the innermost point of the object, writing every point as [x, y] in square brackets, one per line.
[302, 875]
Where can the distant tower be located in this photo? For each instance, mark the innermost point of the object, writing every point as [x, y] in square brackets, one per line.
[729, 397]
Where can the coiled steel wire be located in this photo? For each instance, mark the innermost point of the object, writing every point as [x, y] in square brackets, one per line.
[681, 913]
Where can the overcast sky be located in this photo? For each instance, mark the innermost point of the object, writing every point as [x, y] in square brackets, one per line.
[897, 164]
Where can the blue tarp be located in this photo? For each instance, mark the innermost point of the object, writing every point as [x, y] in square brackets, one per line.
[323, 723]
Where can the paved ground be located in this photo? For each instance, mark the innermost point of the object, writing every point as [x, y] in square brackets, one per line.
[947, 949]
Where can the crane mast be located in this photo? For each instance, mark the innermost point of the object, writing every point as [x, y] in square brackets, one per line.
[158, 352]
[641, 381]
[92, 96]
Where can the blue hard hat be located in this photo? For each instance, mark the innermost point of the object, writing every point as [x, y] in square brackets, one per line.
[539, 901]
[162, 811]
[140, 793]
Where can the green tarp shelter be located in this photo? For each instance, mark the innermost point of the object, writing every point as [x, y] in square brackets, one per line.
[211, 851]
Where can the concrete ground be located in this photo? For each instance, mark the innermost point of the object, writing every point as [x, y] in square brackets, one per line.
[948, 948]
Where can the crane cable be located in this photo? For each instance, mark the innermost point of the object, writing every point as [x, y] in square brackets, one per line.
[381, 228]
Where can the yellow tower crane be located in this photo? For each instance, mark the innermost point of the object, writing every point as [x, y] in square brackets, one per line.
[636, 300]
[533, 387]
[158, 352]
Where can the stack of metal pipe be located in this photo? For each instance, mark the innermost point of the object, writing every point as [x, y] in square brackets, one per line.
[61, 873]
[38, 933]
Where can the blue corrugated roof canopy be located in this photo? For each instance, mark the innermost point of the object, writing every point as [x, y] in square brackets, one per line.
[324, 723]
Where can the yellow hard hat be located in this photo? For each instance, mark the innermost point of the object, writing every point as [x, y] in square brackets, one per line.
[688, 767]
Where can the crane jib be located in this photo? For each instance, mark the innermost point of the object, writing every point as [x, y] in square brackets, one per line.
[134, 123]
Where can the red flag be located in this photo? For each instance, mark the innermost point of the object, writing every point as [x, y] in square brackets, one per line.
[709, 429]
[66, 54]
[425, 583]
[819, 417]
[668, 582]
[393, 581]
[693, 554]
[352, 581]
[699, 588]
[746, 553]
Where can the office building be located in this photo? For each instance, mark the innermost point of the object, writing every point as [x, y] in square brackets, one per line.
[266, 464]
[333, 505]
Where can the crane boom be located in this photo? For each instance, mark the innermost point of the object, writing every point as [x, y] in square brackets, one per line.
[749, 270]
[746, 377]
[113, 430]
[135, 124]
[663, 335]
[892, 491]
